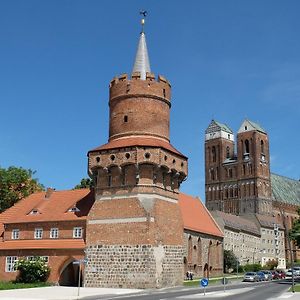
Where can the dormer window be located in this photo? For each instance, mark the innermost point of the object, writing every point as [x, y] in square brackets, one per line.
[34, 212]
[74, 209]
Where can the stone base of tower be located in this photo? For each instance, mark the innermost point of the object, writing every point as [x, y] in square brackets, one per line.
[134, 266]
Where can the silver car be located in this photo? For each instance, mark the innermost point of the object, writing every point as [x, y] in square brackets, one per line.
[251, 276]
[268, 275]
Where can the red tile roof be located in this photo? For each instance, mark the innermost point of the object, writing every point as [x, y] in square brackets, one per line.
[138, 141]
[43, 244]
[54, 208]
[196, 217]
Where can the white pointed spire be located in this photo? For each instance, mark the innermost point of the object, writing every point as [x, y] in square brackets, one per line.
[141, 63]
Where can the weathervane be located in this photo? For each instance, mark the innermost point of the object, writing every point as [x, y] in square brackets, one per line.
[144, 14]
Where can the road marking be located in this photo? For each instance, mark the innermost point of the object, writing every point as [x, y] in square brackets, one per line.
[218, 294]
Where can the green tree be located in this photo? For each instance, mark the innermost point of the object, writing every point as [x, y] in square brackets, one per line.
[230, 260]
[15, 184]
[85, 183]
[295, 231]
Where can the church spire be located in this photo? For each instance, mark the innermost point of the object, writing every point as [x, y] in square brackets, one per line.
[141, 63]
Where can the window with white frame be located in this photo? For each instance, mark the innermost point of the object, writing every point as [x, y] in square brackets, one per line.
[54, 233]
[77, 232]
[33, 258]
[10, 263]
[38, 233]
[15, 234]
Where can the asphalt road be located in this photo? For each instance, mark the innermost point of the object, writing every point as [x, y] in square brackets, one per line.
[240, 291]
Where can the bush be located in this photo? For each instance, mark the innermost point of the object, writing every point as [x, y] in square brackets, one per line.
[32, 270]
[240, 269]
[252, 267]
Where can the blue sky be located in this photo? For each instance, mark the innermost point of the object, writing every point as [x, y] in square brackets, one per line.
[226, 60]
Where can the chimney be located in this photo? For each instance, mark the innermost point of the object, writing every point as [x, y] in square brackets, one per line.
[49, 192]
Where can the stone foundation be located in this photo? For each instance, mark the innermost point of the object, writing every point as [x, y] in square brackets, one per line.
[129, 266]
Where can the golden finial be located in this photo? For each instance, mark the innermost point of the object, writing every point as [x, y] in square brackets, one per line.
[144, 14]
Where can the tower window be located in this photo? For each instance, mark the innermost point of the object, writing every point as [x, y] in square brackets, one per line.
[246, 127]
[227, 152]
[247, 148]
[164, 92]
[125, 119]
[262, 146]
[213, 152]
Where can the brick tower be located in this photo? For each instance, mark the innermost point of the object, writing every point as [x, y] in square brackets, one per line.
[134, 232]
[237, 183]
[219, 155]
[254, 169]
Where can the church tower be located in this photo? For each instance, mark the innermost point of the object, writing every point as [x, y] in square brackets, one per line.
[220, 168]
[254, 169]
[134, 235]
[237, 183]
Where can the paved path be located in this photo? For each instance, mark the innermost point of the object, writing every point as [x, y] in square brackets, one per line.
[61, 293]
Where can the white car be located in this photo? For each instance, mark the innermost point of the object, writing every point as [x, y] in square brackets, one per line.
[289, 273]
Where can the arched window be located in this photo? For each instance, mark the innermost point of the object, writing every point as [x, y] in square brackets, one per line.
[190, 250]
[247, 148]
[109, 179]
[214, 155]
[262, 146]
[227, 152]
[212, 174]
[199, 258]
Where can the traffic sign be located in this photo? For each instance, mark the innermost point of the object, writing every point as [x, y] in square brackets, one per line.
[204, 282]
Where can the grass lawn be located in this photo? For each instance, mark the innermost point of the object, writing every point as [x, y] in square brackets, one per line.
[296, 287]
[11, 285]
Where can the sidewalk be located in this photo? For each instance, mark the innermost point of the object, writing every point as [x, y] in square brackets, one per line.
[61, 293]
[287, 295]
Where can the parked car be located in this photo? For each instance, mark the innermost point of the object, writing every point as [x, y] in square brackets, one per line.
[281, 274]
[251, 276]
[289, 273]
[275, 275]
[261, 276]
[268, 275]
[297, 270]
